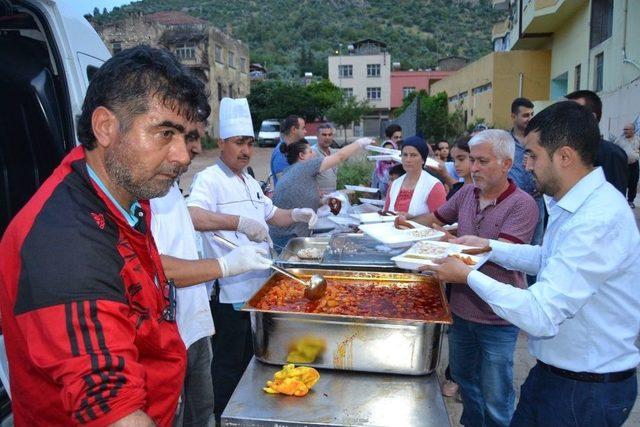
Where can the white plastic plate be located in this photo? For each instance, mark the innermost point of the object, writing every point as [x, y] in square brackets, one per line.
[370, 217]
[375, 202]
[413, 258]
[387, 233]
[361, 188]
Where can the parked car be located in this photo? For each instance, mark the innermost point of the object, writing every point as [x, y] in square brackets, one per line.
[49, 52]
[269, 133]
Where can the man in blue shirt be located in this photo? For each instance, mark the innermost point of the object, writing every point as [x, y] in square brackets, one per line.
[583, 313]
[521, 114]
[293, 129]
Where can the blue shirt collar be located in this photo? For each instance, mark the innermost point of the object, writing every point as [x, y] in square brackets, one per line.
[130, 215]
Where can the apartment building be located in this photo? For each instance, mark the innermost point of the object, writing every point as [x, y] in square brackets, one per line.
[593, 44]
[218, 59]
[363, 70]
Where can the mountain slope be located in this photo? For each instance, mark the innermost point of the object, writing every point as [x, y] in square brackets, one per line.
[290, 37]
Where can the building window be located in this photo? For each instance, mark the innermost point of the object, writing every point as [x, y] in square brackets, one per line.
[374, 93]
[576, 77]
[345, 71]
[231, 59]
[116, 47]
[481, 89]
[373, 70]
[407, 90]
[186, 51]
[559, 86]
[230, 94]
[347, 92]
[601, 21]
[219, 92]
[599, 72]
[243, 65]
[219, 54]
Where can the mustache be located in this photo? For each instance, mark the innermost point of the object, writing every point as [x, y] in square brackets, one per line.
[244, 158]
[171, 169]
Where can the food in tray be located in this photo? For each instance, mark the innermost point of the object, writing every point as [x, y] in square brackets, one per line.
[335, 205]
[402, 224]
[424, 232]
[360, 297]
[310, 253]
[464, 258]
[293, 381]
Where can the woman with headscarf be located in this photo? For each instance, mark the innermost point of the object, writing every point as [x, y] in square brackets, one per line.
[416, 192]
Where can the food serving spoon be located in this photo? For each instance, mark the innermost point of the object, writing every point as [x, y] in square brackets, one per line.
[314, 289]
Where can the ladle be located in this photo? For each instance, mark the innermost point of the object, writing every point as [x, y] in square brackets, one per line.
[313, 289]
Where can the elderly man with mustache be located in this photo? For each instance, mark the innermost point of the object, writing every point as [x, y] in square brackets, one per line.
[481, 344]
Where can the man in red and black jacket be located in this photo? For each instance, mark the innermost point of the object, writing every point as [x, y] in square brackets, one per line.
[87, 312]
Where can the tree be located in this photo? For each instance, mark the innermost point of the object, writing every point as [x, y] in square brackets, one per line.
[321, 96]
[434, 121]
[347, 111]
[96, 11]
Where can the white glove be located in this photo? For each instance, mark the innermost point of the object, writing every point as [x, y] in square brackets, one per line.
[243, 259]
[305, 215]
[252, 229]
[363, 142]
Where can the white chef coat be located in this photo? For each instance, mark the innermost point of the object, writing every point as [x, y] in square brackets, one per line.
[174, 235]
[218, 189]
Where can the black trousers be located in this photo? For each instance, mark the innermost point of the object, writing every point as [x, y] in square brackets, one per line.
[232, 351]
[632, 179]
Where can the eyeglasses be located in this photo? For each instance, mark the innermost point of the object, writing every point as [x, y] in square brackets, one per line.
[169, 293]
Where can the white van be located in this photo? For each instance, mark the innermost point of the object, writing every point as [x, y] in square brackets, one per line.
[49, 52]
[269, 133]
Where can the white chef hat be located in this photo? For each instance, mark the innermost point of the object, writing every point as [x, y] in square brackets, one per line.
[235, 118]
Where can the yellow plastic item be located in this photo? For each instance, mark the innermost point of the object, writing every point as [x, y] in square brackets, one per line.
[293, 381]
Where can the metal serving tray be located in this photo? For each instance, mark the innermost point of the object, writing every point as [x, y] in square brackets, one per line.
[343, 251]
[351, 343]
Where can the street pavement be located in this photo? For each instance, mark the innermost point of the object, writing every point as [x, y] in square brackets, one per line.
[523, 361]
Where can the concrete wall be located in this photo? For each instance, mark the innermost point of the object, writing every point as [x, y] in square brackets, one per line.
[503, 70]
[420, 80]
[360, 82]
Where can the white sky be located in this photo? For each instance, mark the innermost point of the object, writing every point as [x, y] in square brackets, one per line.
[86, 6]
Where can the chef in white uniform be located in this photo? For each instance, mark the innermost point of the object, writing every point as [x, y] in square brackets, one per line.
[227, 200]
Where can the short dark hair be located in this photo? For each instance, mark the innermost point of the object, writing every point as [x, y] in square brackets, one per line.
[290, 122]
[293, 150]
[324, 126]
[569, 124]
[126, 83]
[397, 170]
[391, 129]
[520, 102]
[591, 100]
[462, 143]
[440, 142]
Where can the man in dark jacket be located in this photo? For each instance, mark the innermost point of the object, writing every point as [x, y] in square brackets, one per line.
[611, 158]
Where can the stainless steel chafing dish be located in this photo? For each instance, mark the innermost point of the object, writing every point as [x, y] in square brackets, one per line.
[353, 343]
[343, 251]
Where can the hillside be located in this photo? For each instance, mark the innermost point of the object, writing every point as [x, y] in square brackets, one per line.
[290, 37]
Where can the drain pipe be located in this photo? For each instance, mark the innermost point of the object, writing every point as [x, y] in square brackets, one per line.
[625, 59]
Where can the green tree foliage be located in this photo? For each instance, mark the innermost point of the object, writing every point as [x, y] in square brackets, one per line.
[434, 121]
[347, 111]
[291, 37]
[276, 99]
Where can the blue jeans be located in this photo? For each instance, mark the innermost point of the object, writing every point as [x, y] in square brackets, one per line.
[481, 361]
[547, 399]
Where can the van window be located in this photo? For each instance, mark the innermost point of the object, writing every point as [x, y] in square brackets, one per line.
[270, 127]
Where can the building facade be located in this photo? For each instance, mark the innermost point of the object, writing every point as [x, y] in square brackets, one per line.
[484, 89]
[593, 44]
[218, 59]
[365, 73]
[404, 83]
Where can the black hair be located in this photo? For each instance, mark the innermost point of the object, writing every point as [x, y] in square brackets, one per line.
[520, 102]
[325, 126]
[438, 143]
[592, 101]
[294, 150]
[462, 143]
[288, 123]
[391, 129]
[397, 170]
[569, 124]
[126, 83]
